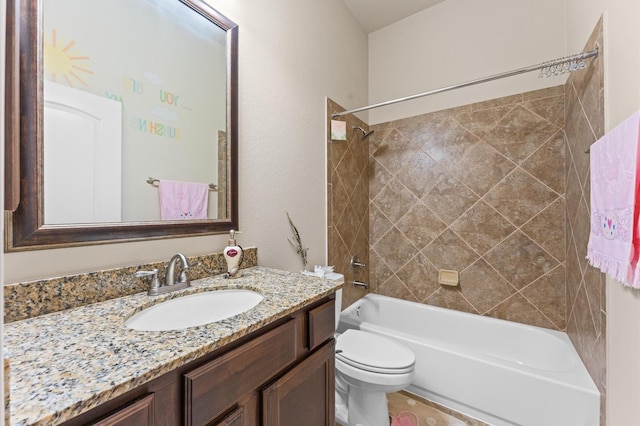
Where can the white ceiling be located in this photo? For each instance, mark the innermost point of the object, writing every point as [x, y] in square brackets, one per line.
[376, 14]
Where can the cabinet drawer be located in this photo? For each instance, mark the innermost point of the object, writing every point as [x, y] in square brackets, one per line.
[322, 324]
[139, 413]
[216, 386]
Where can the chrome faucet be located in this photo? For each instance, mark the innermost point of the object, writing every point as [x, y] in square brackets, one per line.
[170, 279]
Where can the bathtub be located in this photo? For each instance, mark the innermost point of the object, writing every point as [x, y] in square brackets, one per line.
[497, 371]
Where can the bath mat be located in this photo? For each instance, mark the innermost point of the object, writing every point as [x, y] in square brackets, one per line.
[405, 418]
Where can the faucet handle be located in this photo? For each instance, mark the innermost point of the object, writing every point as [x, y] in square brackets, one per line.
[155, 282]
[154, 272]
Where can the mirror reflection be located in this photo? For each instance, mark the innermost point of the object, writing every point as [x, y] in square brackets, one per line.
[123, 106]
[112, 100]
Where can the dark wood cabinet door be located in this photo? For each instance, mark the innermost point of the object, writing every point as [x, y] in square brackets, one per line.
[138, 413]
[235, 418]
[305, 395]
[217, 386]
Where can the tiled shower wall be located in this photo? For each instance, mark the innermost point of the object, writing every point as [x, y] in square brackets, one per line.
[348, 203]
[586, 308]
[477, 189]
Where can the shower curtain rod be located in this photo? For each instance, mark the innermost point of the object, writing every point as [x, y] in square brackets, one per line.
[554, 67]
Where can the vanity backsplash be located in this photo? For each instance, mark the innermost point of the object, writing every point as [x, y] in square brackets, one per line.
[33, 298]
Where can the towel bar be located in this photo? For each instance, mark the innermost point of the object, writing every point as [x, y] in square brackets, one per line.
[153, 181]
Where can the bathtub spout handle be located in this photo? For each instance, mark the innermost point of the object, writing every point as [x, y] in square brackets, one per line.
[356, 265]
[361, 284]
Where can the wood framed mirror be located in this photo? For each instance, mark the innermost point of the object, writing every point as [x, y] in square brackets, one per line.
[172, 75]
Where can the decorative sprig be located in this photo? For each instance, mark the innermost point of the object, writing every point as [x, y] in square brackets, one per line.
[297, 244]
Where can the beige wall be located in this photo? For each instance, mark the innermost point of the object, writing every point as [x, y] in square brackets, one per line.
[292, 55]
[458, 41]
[622, 98]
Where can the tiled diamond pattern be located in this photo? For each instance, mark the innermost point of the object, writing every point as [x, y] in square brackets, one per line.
[586, 314]
[348, 171]
[480, 190]
[488, 189]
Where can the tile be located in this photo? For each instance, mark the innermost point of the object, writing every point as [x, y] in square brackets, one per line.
[573, 195]
[420, 173]
[574, 274]
[393, 287]
[482, 228]
[347, 169]
[581, 140]
[547, 229]
[378, 177]
[519, 197]
[394, 151]
[519, 134]
[449, 199]
[582, 229]
[594, 283]
[339, 200]
[378, 224]
[348, 225]
[449, 251]
[450, 298]
[548, 295]
[551, 108]
[585, 334]
[482, 168]
[481, 122]
[520, 260]
[420, 277]
[498, 102]
[449, 142]
[359, 198]
[518, 309]
[395, 249]
[483, 287]
[379, 272]
[420, 226]
[547, 163]
[418, 129]
[395, 200]
[548, 92]
[380, 134]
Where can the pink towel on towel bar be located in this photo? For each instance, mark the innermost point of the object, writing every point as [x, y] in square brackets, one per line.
[614, 242]
[183, 200]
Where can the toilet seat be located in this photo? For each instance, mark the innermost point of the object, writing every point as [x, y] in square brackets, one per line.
[373, 353]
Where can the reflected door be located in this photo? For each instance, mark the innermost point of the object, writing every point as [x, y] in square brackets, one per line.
[83, 157]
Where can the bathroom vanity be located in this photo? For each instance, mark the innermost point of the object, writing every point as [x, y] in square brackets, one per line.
[272, 365]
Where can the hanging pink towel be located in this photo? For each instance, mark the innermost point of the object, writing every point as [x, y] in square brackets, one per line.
[614, 242]
[183, 200]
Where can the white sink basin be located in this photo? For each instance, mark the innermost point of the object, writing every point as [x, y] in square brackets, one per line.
[193, 310]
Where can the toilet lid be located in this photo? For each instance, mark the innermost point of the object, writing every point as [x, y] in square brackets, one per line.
[372, 352]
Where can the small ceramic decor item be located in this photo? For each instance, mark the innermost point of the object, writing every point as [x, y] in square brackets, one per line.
[338, 130]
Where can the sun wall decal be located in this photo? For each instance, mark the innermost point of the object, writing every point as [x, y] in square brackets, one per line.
[61, 63]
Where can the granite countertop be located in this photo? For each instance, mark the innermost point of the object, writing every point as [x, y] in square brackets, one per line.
[66, 363]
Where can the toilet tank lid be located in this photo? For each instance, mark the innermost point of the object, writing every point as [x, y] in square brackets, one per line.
[373, 350]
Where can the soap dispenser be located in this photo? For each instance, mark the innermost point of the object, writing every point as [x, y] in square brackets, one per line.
[233, 254]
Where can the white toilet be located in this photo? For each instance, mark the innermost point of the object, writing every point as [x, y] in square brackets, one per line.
[368, 366]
